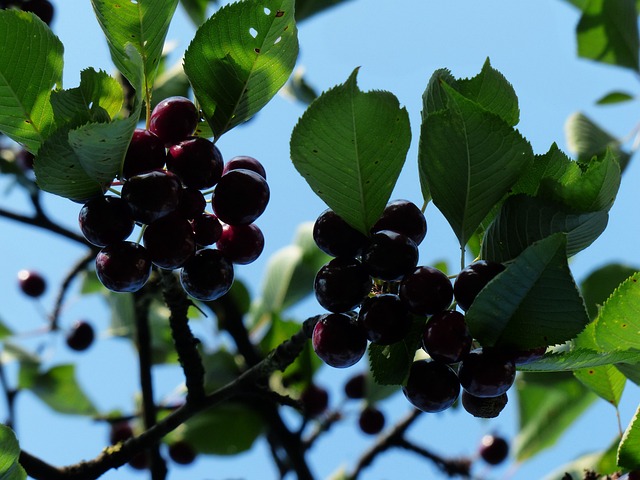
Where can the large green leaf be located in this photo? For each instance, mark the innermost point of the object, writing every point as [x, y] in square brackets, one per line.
[30, 66]
[469, 159]
[523, 220]
[629, 450]
[143, 24]
[10, 469]
[618, 323]
[548, 405]
[608, 32]
[350, 147]
[240, 58]
[534, 302]
[58, 388]
[577, 359]
[601, 283]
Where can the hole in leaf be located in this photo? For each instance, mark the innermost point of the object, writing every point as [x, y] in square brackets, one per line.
[277, 40]
[253, 32]
[135, 2]
[267, 11]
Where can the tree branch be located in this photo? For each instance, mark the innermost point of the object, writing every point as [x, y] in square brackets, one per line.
[43, 222]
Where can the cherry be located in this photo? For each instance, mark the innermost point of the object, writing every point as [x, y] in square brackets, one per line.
[120, 432]
[207, 229]
[31, 283]
[336, 237]
[106, 219]
[197, 161]
[81, 336]
[472, 279]
[483, 407]
[338, 340]
[207, 275]
[152, 195]
[42, 8]
[247, 163]
[390, 255]
[371, 420]
[446, 337]
[493, 449]
[314, 399]
[123, 266]
[355, 387]
[170, 241]
[403, 216]
[192, 203]
[522, 357]
[385, 318]
[342, 284]
[182, 452]
[24, 160]
[431, 386]
[174, 119]
[240, 197]
[241, 244]
[486, 373]
[140, 461]
[146, 152]
[426, 291]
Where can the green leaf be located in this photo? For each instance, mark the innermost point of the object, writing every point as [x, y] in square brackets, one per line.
[10, 469]
[241, 426]
[601, 283]
[523, 220]
[614, 98]
[549, 403]
[143, 24]
[58, 388]
[30, 66]
[350, 147]
[629, 450]
[578, 358]
[534, 302]
[618, 324]
[196, 9]
[297, 88]
[220, 369]
[307, 8]
[390, 364]
[240, 58]
[608, 32]
[469, 158]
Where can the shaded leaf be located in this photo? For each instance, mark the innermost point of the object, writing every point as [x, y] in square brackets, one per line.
[534, 302]
[601, 283]
[10, 469]
[350, 147]
[548, 405]
[196, 9]
[629, 449]
[614, 98]
[577, 359]
[240, 58]
[297, 88]
[307, 8]
[30, 66]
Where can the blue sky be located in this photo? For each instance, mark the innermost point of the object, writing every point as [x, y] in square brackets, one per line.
[397, 46]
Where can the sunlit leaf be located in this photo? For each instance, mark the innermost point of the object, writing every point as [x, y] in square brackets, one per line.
[10, 469]
[629, 450]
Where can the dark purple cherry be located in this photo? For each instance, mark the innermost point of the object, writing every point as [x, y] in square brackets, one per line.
[339, 340]
[197, 161]
[494, 449]
[24, 160]
[182, 452]
[247, 163]
[146, 152]
[241, 244]
[486, 374]
[140, 461]
[207, 275]
[342, 284]
[207, 229]
[42, 8]
[483, 407]
[106, 219]
[390, 255]
[120, 431]
[152, 195]
[31, 283]
[81, 336]
[192, 203]
[426, 291]
[240, 197]
[431, 386]
[446, 337]
[385, 318]
[355, 387]
[472, 279]
[123, 266]
[522, 357]
[314, 400]
[403, 216]
[170, 241]
[371, 420]
[174, 119]
[336, 237]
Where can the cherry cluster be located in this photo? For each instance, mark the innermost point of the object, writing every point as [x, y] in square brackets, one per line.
[42, 8]
[378, 275]
[166, 175]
